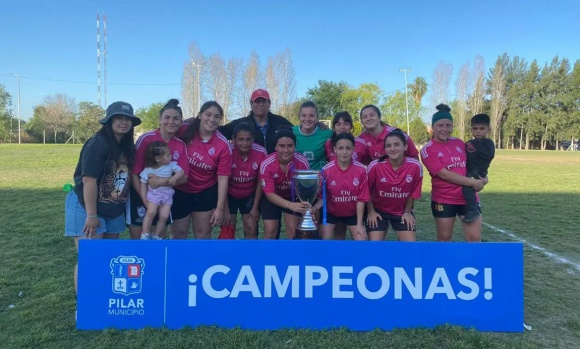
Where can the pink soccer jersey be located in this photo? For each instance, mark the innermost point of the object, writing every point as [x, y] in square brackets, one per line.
[450, 155]
[360, 150]
[176, 146]
[207, 160]
[245, 171]
[390, 188]
[276, 181]
[376, 145]
[344, 188]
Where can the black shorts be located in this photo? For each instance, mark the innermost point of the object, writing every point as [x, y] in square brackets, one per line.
[441, 210]
[243, 205]
[185, 203]
[332, 219]
[270, 211]
[135, 210]
[396, 223]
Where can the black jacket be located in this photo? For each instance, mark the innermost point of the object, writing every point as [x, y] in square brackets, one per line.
[480, 152]
[274, 121]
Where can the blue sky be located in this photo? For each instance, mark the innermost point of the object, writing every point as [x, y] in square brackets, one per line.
[354, 41]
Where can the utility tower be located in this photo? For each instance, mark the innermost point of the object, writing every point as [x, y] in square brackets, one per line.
[102, 53]
[105, 54]
[98, 59]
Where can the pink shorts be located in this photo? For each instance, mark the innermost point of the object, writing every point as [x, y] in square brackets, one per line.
[160, 196]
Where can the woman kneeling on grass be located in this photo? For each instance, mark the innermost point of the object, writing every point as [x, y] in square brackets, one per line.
[94, 208]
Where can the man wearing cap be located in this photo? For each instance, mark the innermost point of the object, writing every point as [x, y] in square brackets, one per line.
[262, 119]
[265, 122]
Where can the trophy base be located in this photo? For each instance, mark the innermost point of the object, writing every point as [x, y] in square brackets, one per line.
[307, 235]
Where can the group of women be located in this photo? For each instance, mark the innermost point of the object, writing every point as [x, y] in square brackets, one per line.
[371, 181]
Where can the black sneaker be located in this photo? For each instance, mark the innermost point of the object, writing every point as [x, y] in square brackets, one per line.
[471, 215]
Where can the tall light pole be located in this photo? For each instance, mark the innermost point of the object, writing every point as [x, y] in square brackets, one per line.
[198, 85]
[18, 79]
[406, 98]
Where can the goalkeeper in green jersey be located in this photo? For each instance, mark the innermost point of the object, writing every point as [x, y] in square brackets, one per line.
[310, 138]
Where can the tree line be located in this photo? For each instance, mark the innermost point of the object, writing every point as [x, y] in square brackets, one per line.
[531, 106]
[231, 82]
[534, 107]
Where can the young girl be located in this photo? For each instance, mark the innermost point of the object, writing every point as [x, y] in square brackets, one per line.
[276, 173]
[158, 161]
[347, 190]
[244, 191]
[202, 199]
[342, 122]
[395, 182]
[375, 133]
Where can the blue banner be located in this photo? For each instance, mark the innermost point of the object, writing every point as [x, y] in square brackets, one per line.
[267, 285]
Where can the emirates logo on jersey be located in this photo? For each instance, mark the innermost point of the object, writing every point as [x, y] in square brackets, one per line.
[409, 178]
[255, 165]
[211, 151]
[355, 182]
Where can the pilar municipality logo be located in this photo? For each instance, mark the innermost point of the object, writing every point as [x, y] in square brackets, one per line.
[127, 272]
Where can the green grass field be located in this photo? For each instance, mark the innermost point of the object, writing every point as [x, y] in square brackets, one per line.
[534, 195]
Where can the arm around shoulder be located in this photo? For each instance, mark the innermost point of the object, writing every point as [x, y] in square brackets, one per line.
[228, 129]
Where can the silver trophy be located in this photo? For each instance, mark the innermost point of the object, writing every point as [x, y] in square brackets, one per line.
[307, 184]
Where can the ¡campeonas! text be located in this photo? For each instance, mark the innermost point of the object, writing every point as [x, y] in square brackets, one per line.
[342, 279]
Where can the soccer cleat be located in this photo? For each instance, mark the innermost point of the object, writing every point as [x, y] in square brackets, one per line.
[471, 215]
[145, 236]
[155, 237]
